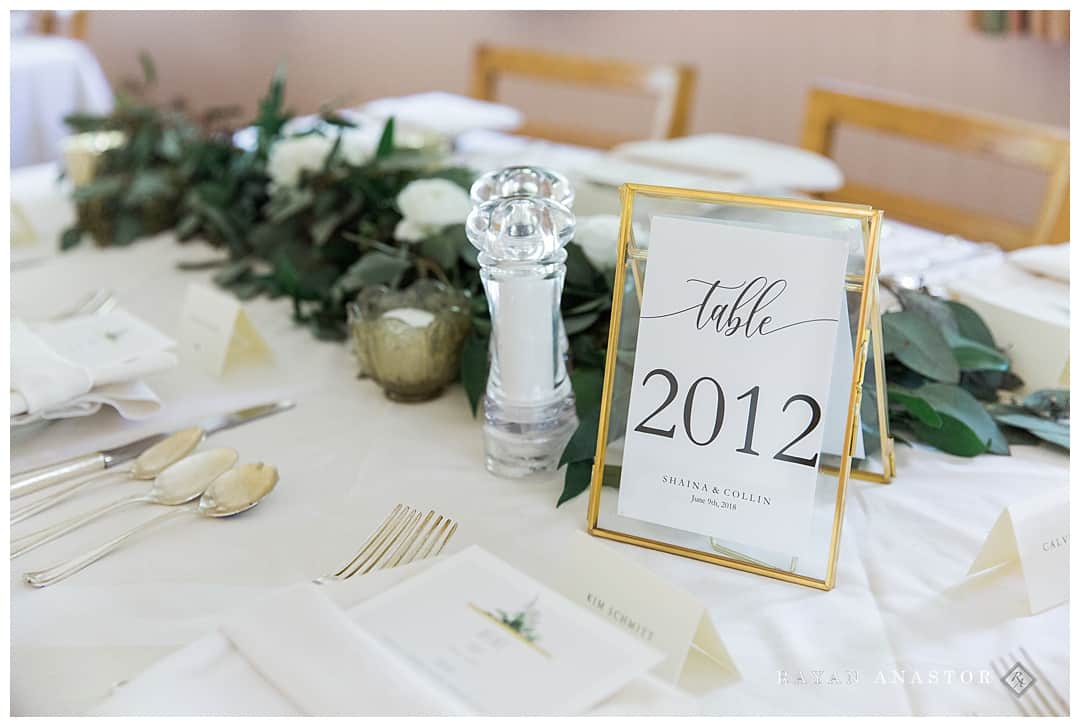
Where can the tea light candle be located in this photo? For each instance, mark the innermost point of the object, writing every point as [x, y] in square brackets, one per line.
[415, 317]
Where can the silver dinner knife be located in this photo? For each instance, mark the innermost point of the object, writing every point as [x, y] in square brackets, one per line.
[37, 479]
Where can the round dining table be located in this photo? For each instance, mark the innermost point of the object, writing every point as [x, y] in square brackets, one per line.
[906, 627]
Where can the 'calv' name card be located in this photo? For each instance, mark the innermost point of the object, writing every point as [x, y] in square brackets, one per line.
[1035, 532]
[730, 394]
[503, 642]
[216, 332]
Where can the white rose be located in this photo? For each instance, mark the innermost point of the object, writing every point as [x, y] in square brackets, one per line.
[293, 155]
[598, 237]
[357, 146]
[409, 231]
[434, 203]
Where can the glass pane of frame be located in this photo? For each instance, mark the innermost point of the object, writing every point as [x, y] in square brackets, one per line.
[857, 226]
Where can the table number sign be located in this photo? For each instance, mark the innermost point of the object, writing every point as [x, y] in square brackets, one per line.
[737, 373]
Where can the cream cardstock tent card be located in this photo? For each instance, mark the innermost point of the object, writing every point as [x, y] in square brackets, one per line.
[612, 586]
[1034, 532]
[22, 232]
[216, 332]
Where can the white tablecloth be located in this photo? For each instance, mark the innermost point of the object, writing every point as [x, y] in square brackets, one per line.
[51, 77]
[902, 611]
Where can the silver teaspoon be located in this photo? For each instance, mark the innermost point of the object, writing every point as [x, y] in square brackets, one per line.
[146, 466]
[177, 484]
[237, 490]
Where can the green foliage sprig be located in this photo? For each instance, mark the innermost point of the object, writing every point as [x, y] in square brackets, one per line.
[948, 382]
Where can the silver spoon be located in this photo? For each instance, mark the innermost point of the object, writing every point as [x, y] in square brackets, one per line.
[237, 490]
[177, 484]
[146, 466]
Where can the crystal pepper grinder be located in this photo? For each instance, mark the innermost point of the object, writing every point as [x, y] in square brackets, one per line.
[521, 224]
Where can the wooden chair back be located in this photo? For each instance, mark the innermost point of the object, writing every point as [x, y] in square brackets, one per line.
[71, 23]
[1013, 142]
[672, 86]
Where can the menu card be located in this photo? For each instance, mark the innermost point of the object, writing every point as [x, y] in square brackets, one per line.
[503, 642]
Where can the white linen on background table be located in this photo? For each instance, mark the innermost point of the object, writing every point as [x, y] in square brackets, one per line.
[51, 77]
[347, 456]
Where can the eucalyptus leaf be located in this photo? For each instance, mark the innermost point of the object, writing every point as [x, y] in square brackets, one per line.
[953, 436]
[444, 248]
[126, 229]
[375, 268]
[920, 346]
[974, 356]
[386, 140]
[969, 324]
[577, 324]
[105, 186]
[1048, 402]
[474, 368]
[588, 386]
[582, 444]
[70, 237]
[1046, 429]
[953, 402]
[933, 310]
[576, 480]
[915, 404]
[579, 271]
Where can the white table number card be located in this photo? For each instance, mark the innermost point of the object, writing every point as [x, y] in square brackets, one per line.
[1035, 532]
[731, 381]
[216, 332]
[503, 642]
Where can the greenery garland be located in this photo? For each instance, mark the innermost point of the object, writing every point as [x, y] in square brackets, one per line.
[321, 241]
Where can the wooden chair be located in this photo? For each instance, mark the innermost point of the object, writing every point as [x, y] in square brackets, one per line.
[1013, 142]
[71, 23]
[671, 85]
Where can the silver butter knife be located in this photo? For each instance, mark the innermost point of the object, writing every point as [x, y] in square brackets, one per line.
[37, 479]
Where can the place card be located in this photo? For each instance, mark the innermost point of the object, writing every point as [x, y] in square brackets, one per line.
[22, 231]
[216, 332]
[639, 602]
[731, 378]
[1035, 532]
[503, 642]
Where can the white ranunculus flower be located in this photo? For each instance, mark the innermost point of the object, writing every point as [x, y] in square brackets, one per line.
[293, 155]
[409, 231]
[434, 203]
[598, 237]
[357, 146]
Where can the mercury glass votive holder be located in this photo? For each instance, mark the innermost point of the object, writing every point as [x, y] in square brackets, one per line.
[409, 341]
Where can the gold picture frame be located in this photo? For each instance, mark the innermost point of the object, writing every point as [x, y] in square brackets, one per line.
[859, 221]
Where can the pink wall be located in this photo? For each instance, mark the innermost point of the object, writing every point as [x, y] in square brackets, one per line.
[754, 69]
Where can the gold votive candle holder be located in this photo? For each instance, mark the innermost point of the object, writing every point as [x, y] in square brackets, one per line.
[409, 341]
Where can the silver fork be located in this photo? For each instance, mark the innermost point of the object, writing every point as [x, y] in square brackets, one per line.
[403, 537]
[1045, 701]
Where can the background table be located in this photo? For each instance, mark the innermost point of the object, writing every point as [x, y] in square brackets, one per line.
[902, 610]
[51, 77]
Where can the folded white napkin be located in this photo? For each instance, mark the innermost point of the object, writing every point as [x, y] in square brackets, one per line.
[446, 113]
[71, 367]
[1049, 261]
[735, 162]
[299, 652]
